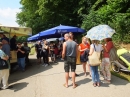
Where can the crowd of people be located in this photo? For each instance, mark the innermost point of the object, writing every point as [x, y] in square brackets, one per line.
[86, 49]
[44, 49]
[68, 50]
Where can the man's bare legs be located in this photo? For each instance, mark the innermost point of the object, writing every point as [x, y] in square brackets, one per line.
[66, 78]
[73, 79]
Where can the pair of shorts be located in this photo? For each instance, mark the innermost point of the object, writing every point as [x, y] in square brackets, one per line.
[83, 59]
[70, 62]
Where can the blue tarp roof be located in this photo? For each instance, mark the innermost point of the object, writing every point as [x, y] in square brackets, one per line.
[56, 32]
[62, 29]
[34, 37]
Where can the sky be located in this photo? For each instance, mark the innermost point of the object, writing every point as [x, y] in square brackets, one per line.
[8, 11]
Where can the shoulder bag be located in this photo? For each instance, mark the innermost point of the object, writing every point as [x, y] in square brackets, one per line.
[3, 64]
[94, 59]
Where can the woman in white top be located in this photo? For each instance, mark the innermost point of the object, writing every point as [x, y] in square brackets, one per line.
[94, 69]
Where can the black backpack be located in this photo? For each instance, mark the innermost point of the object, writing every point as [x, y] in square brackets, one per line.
[3, 64]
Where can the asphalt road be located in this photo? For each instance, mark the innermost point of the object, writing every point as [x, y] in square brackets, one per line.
[39, 81]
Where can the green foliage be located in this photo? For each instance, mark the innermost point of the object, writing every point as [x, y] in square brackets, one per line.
[115, 13]
[43, 14]
[29, 17]
[22, 39]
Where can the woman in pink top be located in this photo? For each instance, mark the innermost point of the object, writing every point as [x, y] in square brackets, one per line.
[105, 66]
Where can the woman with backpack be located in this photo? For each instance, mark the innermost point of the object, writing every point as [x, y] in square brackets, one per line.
[105, 65]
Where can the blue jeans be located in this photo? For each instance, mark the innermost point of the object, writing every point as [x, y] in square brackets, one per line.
[21, 63]
[95, 75]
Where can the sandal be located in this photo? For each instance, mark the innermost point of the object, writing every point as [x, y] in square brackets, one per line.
[75, 86]
[94, 85]
[98, 84]
[65, 86]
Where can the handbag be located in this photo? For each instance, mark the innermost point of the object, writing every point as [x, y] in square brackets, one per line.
[78, 58]
[3, 64]
[94, 59]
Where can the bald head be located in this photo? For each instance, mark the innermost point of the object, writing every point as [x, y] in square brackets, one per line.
[67, 36]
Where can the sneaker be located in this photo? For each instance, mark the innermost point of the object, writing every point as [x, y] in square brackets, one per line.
[23, 70]
[105, 81]
[43, 64]
[55, 62]
[46, 65]
[3, 88]
[62, 59]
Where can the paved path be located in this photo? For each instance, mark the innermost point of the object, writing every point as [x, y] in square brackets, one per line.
[39, 81]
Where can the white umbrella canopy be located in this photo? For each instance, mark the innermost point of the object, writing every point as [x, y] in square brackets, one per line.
[100, 32]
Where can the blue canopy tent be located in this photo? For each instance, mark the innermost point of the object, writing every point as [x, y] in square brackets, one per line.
[34, 37]
[58, 31]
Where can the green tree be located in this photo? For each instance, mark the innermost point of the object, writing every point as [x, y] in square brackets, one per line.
[43, 14]
[115, 13]
[56, 12]
[29, 17]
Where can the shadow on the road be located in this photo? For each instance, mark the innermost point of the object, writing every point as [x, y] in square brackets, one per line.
[19, 86]
[30, 71]
[115, 81]
[59, 60]
[118, 81]
[83, 81]
[82, 74]
[104, 84]
[53, 63]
